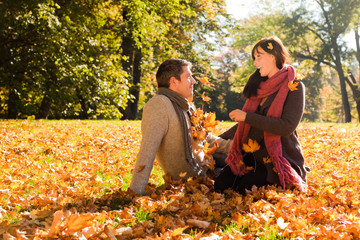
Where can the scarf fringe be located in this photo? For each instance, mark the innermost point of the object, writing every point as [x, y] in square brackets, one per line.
[287, 174]
[233, 159]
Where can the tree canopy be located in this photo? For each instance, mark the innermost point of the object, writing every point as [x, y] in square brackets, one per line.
[85, 58]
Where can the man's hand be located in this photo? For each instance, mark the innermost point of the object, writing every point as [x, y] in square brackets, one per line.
[237, 115]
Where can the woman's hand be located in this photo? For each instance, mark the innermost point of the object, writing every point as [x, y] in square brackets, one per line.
[237, 115]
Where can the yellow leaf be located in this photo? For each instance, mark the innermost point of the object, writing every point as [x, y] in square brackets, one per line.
[178, 231]
[251, 146]
[267, 159]
[293, 85]
[299, 76]
[182, 174]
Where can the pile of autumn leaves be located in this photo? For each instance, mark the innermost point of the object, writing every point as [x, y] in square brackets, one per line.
[64, 179]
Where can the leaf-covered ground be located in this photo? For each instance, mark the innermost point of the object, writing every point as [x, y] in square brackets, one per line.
[69, 180]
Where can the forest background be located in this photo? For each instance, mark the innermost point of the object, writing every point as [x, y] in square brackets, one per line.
[97, 59]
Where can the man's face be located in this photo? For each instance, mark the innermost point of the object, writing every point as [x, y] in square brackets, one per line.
[184, 87]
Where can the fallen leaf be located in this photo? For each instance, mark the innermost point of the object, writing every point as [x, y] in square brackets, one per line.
[178, 231]
[198, 223]
[8, 236]
[21, 235]
[79, 222]
[109, 233]
[123, 231]
[55, 226]
[281, 223]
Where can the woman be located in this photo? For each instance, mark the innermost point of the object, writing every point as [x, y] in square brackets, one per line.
[266, 150]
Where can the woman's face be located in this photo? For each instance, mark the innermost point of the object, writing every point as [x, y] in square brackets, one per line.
[265, 62]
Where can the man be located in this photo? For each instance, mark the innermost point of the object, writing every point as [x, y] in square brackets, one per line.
[165, 128]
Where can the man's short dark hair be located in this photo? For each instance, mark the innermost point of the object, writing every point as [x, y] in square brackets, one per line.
[170, 68]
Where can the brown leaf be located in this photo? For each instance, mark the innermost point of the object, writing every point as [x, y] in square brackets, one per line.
[109, 233]
[20, 235]
[198, 223]
[123, 231]
[8, 236]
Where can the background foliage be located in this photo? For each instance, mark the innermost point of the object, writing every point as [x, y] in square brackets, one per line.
[96, 59]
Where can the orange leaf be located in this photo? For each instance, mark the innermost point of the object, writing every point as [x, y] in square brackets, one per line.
[239, 164]
[141, 168]
[293, 85]
[58, 217]
[205, 98]
[79, 222]
[251, 146]
[212, 150]
[190, 99]
[267, 159]
[204, 80]
[249, 168]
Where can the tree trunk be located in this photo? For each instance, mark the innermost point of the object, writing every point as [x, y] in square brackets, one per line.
[344, 96]
[130, 112]
[127, 47]
[12, 104]
[355, 90]
[84, 108]
[342, 78]
[132, 65]
[45, 107]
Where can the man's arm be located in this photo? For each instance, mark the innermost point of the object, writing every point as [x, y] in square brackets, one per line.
[154, 126]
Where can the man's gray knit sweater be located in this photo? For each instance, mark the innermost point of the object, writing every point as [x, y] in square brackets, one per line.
[162, 138]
